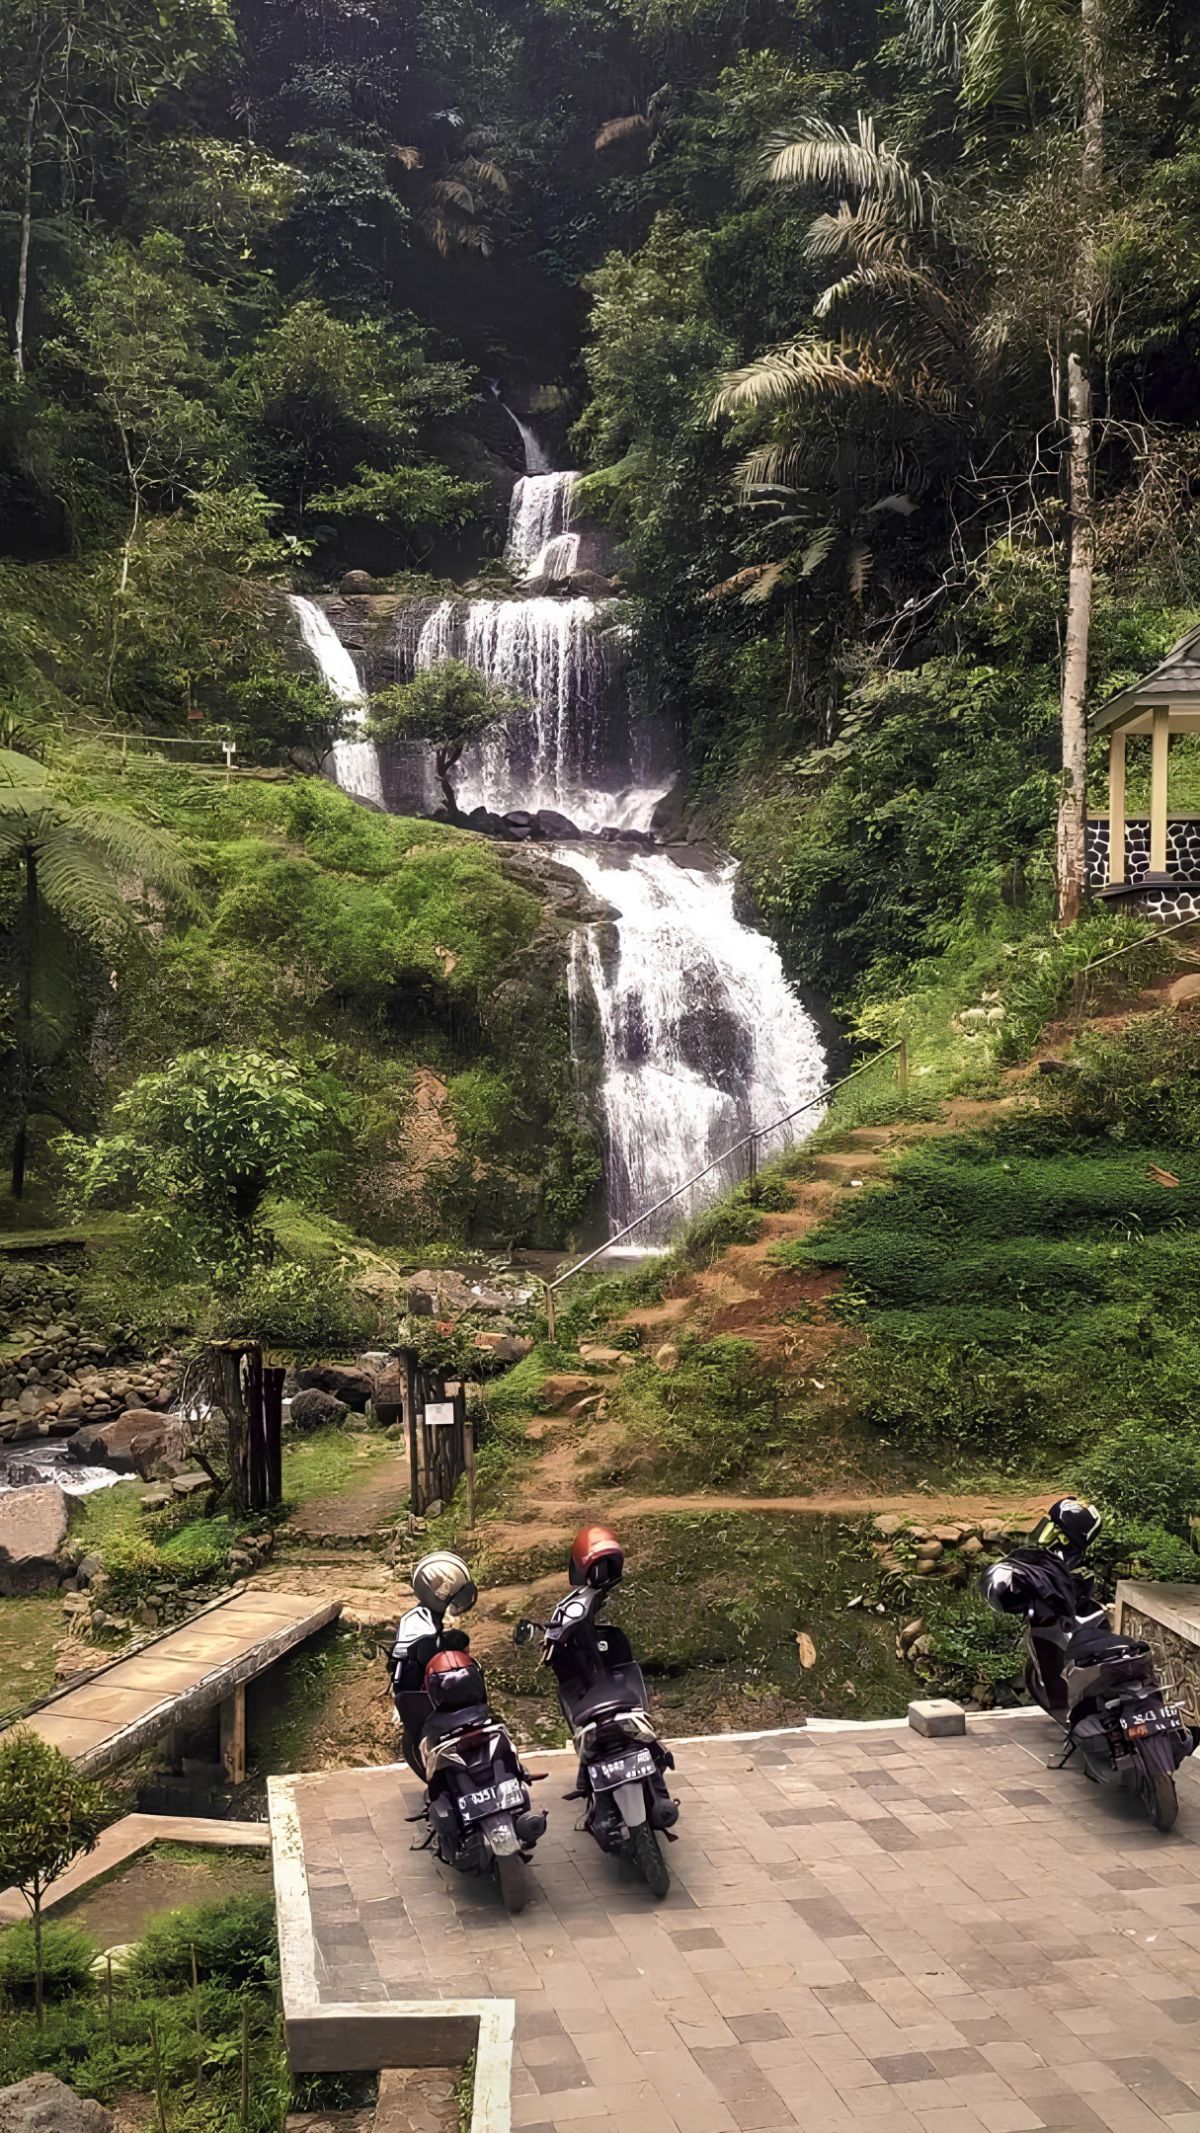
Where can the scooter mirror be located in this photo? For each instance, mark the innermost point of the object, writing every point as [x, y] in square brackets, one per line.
[524, 1633]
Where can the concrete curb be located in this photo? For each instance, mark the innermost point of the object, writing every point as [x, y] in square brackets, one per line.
[351, 2036]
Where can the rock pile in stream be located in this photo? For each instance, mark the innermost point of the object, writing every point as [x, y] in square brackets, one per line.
[68, 1377]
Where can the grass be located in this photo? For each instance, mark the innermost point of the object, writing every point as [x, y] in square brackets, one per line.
[30, 1627]
[331, 1462]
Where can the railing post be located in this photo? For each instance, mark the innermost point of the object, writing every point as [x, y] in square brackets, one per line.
[902, 1065]
[752, 1172]
[551, 1312]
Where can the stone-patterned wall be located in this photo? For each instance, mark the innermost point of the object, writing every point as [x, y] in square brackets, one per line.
[1182, 898]
[1176, 1662]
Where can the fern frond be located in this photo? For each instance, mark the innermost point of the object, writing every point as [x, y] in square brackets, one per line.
[484, 172]
[803, 370]
[737, 583]
[859, 564]
[132, 846]
[825, 154]
[455, 192]
[79, 889]
[767, 580]
[861, 233]
[768, 466]
[817, 550]
[408, 157]
[620, 129]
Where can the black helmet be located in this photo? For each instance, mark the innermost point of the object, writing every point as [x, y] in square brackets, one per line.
[1071, 1526]
[1005, 1587]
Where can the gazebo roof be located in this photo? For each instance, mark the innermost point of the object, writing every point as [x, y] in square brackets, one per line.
[1174, 682]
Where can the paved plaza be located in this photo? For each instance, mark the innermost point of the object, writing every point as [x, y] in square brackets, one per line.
[867, 1930]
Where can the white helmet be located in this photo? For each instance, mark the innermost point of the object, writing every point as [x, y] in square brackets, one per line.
[443, 1584]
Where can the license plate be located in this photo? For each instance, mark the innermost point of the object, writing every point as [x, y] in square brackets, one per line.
[622, 1769]
[1145, 1725]
[473, 1806]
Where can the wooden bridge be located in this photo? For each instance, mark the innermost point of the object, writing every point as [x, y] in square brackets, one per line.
[174, 1679]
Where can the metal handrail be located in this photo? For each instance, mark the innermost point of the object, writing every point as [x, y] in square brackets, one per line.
[750, 1139]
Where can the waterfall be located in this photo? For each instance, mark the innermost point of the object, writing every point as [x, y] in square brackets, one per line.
[703, 1036]
[560, 754]
[536, 461]
[540, 543]
[355, 762]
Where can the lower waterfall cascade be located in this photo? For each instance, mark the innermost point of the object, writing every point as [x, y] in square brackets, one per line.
[703, 1038]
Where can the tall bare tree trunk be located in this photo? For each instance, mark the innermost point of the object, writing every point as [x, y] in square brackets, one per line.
[1072, 806]
[26, 234]
[24, 1023]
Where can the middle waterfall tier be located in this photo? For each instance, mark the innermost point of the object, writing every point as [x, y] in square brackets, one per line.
[577, 750]
[540, 541]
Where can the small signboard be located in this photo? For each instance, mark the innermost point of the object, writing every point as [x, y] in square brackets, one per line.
[439, 1414]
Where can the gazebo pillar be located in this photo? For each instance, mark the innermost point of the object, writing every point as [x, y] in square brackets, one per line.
[1116, 807]
[1160, 742]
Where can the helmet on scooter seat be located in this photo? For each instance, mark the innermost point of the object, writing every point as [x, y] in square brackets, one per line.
[1005, 1587]
[597, 1557]
[454, 1681]
[443, 1584]
[1071, 1525]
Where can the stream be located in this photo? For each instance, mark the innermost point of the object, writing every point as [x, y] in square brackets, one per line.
[703, 1037]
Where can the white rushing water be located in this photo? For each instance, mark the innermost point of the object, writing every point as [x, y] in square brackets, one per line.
[552, 653]
[355, 762]
[540, 542]
[704, 1038]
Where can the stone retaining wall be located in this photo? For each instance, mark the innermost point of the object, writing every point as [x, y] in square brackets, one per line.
[1167, 1617]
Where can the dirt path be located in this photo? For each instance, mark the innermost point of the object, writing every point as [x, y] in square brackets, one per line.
[358, 1512]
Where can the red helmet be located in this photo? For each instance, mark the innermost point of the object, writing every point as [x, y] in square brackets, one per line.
[453, 1680]
[597, 1557]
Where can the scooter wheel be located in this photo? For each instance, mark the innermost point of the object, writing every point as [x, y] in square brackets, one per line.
[515, 1886]
[1156, 1791]
[649, 1861]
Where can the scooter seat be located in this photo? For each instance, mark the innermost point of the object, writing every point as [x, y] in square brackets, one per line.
[443, 1724]
[1090, 1646]
[621, 1688]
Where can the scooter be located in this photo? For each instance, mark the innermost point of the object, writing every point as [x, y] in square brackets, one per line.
[1098, 1686]
[477, 1801]
[622, 1762]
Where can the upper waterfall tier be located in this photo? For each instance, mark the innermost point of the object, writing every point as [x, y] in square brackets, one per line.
[355, 761]
[540, 543]
[704, 1039]
[574, 751]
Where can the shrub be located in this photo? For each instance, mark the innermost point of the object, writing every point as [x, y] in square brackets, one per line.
[303, 1308]
[1145, 1475]
[233, 1938]
[1146, 1084]
[67, 1957]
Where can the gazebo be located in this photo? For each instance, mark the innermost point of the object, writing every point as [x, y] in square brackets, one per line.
[1152, 860]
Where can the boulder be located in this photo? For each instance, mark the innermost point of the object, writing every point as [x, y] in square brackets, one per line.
[112, 1443]
[504, 1347]
[314, 1409]
[33, 1527]
[161, 1447]
[667, 1358]
[44, 2104]
[346, 1381]
[553, 826]
[448, 1294]
[355, 581]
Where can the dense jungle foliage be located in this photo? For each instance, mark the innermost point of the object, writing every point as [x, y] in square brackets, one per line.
[795, 282]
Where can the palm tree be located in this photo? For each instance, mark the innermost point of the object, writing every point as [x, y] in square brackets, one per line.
[1000, 51]
[901, 352]
[71, 859]
[453, 198]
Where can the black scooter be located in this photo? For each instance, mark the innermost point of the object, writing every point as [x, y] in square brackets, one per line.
[477, 1801]
[622, 1762]
[1098, 1686]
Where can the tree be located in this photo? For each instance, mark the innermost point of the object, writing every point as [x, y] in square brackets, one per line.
[71, 858]
[49, 1814]
[1003, 53]
[206, 1140]
[447, 705]
[77, 72]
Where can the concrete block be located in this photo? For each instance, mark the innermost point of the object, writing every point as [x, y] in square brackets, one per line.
[937, 1717]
